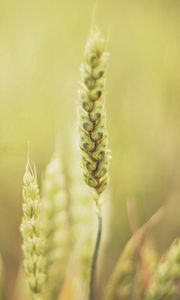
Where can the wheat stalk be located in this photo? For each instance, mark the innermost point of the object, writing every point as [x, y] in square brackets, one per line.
[33, 243]
[166, 282]
[93, 133]
[55, 225]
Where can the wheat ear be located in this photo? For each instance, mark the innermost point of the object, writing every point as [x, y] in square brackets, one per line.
[95, 154]
[93, 134]
[33, 243]
[55, 225]
[166, 282]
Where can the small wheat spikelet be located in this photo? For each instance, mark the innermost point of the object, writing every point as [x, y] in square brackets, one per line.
[33, 243]
[93, 134]
[166, 281]
[55, 225]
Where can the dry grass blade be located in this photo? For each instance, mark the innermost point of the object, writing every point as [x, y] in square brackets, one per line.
[123, 279]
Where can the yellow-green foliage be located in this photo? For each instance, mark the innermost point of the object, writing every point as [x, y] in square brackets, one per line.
[166, 281]
[55, 225]
[93, 134]
[149, 261]
[31, 230]
[122, 282]
[134, 269]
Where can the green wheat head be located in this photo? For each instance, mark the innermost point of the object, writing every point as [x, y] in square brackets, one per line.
[33, 242]
[93, 134]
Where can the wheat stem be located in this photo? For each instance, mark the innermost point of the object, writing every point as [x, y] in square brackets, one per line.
[94, 259]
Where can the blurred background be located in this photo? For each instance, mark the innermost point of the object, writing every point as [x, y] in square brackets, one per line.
[41, 48]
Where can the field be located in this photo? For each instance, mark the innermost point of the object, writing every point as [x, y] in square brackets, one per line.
[41, 50]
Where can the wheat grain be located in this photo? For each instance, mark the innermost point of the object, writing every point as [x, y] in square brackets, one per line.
[93, 133]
